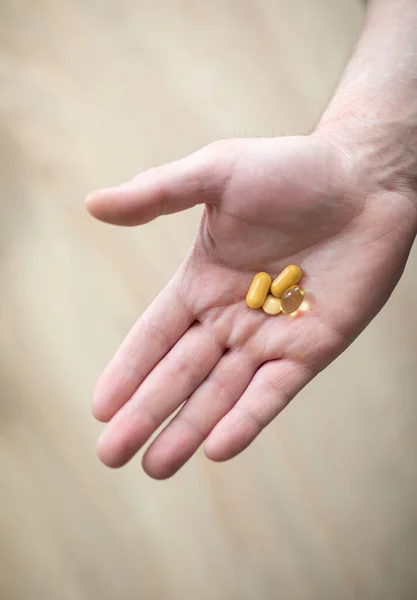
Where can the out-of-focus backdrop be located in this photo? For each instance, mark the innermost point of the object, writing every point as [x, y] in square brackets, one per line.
[323, 505]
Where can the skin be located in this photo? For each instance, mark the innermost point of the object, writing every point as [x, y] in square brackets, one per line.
[341, 203]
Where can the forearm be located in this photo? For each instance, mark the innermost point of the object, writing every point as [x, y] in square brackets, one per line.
[375, 105]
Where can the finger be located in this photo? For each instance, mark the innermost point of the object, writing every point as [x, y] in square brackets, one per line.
[172, 381]
[154, 334]
[190, 427]
[171, 188]
[273, 386]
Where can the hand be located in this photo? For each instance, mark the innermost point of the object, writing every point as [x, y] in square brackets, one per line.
[268, 203]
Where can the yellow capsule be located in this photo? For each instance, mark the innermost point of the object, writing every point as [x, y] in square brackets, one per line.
[292, 299]
[288, 277]
[258, 290]
[272, 305]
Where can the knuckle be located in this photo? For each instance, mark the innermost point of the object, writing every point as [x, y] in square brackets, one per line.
[224, 147]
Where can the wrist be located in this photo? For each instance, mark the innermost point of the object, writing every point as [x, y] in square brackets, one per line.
[383, 149]
[374, 111]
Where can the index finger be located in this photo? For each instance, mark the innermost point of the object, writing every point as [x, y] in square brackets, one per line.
[154, 334]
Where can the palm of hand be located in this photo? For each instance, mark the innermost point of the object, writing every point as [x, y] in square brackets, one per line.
[269, 203]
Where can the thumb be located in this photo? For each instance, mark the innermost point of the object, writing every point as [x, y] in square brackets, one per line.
[198, 178]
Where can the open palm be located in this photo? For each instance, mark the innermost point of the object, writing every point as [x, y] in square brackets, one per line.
[268, 203]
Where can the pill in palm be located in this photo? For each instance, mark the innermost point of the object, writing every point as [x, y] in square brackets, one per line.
[258, 290]
[292, 299]
[272, 305]
[290, 276]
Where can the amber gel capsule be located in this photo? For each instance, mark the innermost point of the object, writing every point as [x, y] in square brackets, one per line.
[292, 299]
[258, 290]
[288, 277]
[272, 305]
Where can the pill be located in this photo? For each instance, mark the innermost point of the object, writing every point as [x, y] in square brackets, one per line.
[288, 277]
[258, 290]
[292, 299]
[272, 305]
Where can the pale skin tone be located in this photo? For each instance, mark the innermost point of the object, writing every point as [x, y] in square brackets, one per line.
[341, 203]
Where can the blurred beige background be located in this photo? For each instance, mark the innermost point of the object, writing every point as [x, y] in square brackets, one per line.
[323, 505]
